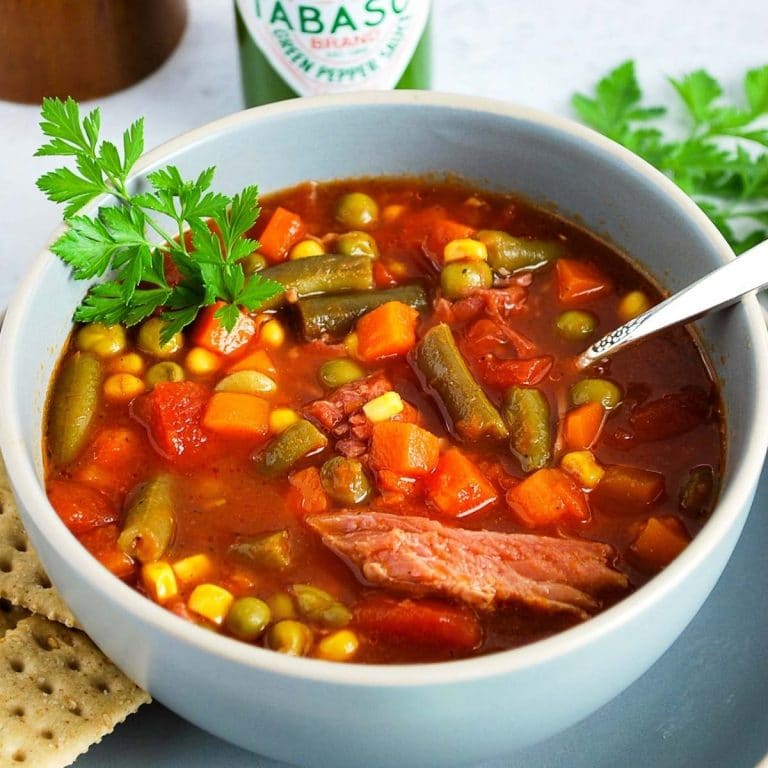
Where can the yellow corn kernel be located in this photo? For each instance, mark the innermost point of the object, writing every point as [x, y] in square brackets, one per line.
[211, 601]
[130, 362]
[465, 249]
[351, 343]
[306, 248]
[338, 646]
[272, 333]
[193, 569]
[583, 467]
[159, 581]
[398, 268]
[201, 362]
[282, 418]
[121, 387]
[383, 407]
[392, 213]
[102, 340]
[632, 305]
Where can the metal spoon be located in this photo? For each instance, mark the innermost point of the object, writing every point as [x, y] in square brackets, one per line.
[726, 285]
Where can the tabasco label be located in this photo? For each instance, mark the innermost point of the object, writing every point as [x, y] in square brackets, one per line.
[327, 46]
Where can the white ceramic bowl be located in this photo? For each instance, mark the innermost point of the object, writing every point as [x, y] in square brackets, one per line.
[321, 714]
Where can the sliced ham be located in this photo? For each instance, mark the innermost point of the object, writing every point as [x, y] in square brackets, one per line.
[421, 556]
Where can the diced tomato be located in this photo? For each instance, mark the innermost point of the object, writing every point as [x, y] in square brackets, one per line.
[113, 461]
[579, 281]
[283, 230]
[488, 336]
[309, 497]
[209, 332]
[102, 544]
[546, 497]
[382, 276]
[81, 507]
[172, 414]
[426, 623]
[508, 373]
[457, 486]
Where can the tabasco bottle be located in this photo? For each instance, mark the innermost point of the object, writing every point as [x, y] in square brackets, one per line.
[305, 47]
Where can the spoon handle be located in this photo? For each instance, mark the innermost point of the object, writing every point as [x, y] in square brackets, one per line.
[724, 286]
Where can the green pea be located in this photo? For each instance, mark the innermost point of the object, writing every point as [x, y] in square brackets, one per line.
[576, 325]
[357, 243]
[357, 210]
[462, 278]
[339, 371]
[254, 262]
[319, 606]
[166, 371]
[149, 339]
[290, 637]
[507, 254]
[600, 391]
[248, 618]
[281, 605]
[345, 481]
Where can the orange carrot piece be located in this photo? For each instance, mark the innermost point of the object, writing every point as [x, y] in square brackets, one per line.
[387, 330]
[209, 332]
[579, 281]
[623, 486]
[547, 496]
[258, 360]
[237, 415]
[404, 448]
[659, 542]
[457, 487]
[582, 426]
[309, 495]
[442, 232]
[281, 232]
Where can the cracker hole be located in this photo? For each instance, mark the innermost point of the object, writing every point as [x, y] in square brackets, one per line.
[6, 566]
[75, 709]
[17, 712]
[20, 545]
[101, 686]
[44, 581]
[46, 734]
[19, 756]
[45, 687]
[17, 665]
[73, 664]
[45, 643]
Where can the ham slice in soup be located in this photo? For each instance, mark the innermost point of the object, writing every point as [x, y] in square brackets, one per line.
[421, 556]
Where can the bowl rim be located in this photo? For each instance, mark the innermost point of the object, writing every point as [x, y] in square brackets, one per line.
[34, 503]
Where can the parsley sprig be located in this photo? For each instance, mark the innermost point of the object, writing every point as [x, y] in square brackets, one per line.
[178, 227]
[721, 161]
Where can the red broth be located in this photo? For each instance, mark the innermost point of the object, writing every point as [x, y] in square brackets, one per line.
[639, 478]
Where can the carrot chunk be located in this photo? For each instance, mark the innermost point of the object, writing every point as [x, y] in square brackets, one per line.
[659, 542]
[309, 495]
[579, 281]
[387, 330]
[282, 231]
[258, 360]
[210, 332]
[443, 231]
[547, 496]
[623, 487]
[404, 448]
[237, 415]
[582, 426]
[457, 486]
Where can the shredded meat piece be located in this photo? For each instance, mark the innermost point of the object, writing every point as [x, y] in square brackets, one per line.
[421, 556]
[333, 412]
[497, 303]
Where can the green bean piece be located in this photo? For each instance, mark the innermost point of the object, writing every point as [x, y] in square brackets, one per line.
[345, 481]
[290, 637]
[356, 210]
[357, 243]
[149, 341]
[697, 491]
[149, 521]
[327, 273]
[293, 444]
[253, 263]
[600, 391]
[165, 371]
[335, 315]
[320, 607]
[459, 279]
[473, 415]
[73, 405]
[338, 372]
[269, 550]
[248, 618]
[508, 254]
[526, 412]
[576, 324]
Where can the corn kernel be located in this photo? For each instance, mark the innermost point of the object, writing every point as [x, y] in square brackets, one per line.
[282, 418]
[102, 340]
[306, 248]
[211, 601]
[272, 333]
[193, 569]
[351, 344]
[392, 213]
[465, 249]
[121, 387]
[383, 407]
[201, 362]
[398, 268]
[130, 362]
[338, 646]
[159, 581]
[583, 467]
[632, 305]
